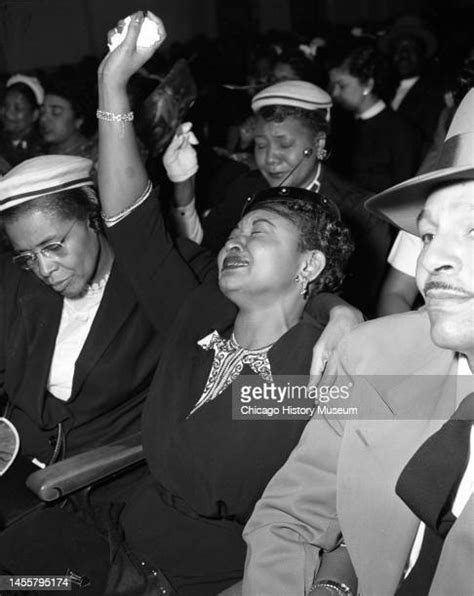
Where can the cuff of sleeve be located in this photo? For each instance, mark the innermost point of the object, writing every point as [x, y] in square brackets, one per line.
[114, 219]
[187, 211]
[188, 222]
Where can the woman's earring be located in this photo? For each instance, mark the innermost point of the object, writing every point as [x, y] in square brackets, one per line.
[321, 153]
[304, 285]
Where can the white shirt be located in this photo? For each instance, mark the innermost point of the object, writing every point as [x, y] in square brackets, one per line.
[466, 486]
[76, 321]
[403, 88]
[405, 252]
[372, 111]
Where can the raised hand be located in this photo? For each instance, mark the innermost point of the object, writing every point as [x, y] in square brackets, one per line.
[180, 158]
[126, 59]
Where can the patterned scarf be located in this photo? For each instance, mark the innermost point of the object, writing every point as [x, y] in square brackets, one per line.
[228, 362]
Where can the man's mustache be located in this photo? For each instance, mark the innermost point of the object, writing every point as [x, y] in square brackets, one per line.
[441, 285]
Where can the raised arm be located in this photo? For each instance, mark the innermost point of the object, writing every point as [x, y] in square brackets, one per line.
[162, 274]
[121, 174]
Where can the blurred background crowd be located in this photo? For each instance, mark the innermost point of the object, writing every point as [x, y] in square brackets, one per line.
[394, 83]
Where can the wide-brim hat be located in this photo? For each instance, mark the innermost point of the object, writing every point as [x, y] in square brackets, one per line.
[298, 94]
[41, 176]
[401, 204]
[409, 26]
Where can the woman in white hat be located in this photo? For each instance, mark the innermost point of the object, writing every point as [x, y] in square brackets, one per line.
[77, 351]
[19, 113]
[291, 132]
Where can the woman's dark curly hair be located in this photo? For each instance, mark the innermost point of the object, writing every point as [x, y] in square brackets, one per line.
[367, 62]
[319, 229]
[313, 119]
[78, 204]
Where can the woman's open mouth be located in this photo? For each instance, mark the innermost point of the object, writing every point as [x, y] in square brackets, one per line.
[234, 262]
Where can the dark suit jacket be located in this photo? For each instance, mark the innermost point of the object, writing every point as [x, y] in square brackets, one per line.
[421, 107]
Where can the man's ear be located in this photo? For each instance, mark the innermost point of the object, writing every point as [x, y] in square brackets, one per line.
[313, 265]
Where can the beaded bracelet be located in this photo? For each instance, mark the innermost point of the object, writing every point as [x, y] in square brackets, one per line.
[112, 117]
[334, 587]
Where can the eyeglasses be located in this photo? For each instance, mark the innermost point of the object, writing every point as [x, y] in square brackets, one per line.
[284, 194]
[54, 251]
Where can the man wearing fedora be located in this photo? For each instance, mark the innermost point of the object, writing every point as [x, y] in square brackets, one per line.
[418, 98]
[394, 479]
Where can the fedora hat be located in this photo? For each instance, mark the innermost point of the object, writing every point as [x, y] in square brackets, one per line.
[409, 26]
[401, 204]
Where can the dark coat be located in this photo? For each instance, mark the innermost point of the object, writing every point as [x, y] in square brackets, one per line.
[30, 146]
[384, 150]
[208, 469]
[421, 108]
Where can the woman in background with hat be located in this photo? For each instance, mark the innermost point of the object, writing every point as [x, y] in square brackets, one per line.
[291, 133]
[19, 114]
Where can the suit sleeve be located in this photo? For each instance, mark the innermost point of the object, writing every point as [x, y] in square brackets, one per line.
[296, 516]
[162, 274]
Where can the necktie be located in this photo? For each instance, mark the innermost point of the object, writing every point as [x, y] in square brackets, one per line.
[428, 485]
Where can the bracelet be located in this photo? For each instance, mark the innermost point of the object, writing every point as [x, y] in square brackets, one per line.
[112, 117]
[113, 219]
[335, 587]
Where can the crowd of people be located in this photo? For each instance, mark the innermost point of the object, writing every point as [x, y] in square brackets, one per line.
[142, 284]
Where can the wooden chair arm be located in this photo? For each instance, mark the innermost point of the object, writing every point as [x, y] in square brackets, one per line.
[82, 470]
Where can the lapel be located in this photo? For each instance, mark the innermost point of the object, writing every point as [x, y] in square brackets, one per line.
[455, 570]
[41, 314]
[377, 525]
[117, 303]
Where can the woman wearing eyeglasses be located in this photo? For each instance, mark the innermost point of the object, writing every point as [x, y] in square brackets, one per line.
[77, 351]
